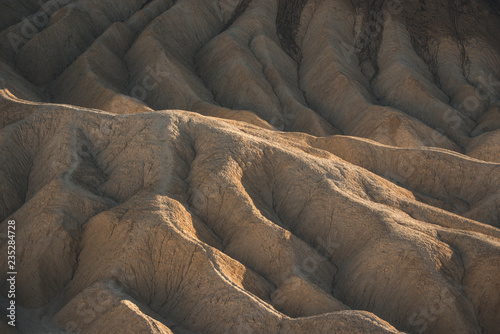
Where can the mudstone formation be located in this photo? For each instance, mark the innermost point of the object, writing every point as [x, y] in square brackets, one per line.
[251, 166]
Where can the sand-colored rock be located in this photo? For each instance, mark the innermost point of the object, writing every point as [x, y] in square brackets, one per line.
[265, 166]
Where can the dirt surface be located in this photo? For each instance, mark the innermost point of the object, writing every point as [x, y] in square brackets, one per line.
[263, 166]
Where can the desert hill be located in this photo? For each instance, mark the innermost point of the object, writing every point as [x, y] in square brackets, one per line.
[251, 166]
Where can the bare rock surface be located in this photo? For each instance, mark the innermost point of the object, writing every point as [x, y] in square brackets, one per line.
[251, 166]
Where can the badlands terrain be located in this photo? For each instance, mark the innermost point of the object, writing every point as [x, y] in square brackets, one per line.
[251, 166]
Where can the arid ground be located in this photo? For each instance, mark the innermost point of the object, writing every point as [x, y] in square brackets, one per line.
[250, 166]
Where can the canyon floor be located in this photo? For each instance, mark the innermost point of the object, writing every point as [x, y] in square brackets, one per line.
[251, 166]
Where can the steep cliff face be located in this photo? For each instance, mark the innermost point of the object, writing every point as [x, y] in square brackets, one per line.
[251, 166]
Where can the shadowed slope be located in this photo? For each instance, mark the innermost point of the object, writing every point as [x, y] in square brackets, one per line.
[256, 166]
[412, 74]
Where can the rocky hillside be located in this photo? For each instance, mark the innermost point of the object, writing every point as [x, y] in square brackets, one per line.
[251, 166]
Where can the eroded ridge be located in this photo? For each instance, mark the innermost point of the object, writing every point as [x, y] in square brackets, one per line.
[184, 222]
[256, 166]
[404, 74]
